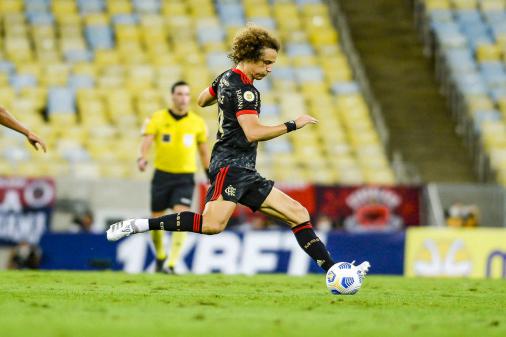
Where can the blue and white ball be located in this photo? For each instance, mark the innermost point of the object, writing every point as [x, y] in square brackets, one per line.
[344, 278]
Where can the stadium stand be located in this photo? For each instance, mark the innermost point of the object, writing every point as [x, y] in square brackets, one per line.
[468, 41]
[85, 74]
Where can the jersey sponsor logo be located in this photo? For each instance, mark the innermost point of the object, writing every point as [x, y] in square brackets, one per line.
[188, 140]
[249, 96]
[240, 100]
[224, 82]
[230, 191]
[221, 98]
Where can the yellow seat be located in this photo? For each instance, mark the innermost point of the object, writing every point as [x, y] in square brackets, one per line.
[488, 52]
[115, 7]
[379, 177]
[492, 5]
[106, 57]
[7, 94]
[174, 9]
[431, 5]
[96, 19]
[62, 120]
[11, 7]
[464, 4]
[63, 7]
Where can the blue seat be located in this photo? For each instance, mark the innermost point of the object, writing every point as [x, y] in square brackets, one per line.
[283, 73]
[90, 6]
[278, 145]
[61, 100]
[468, 16]
[264, 85]
[126, 19]
[299, 49]
[99, 37]
[448, 34]
[266, 22]
[210, 34]
[481, 116]
[74, 56]
[470, 83]
[7, 67]
[40, 18]
[80, 81]
[460, 59]
[20, 81]
[494, 16]
[497, 94]
[345, 88]
[36, 6]
[269, 110]
[308, 74]
[147, 6]
[441, 15]
[218, 60]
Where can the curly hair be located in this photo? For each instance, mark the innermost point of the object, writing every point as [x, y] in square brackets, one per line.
[249, 42]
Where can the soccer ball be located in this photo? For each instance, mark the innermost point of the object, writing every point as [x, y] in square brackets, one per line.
[344, 278]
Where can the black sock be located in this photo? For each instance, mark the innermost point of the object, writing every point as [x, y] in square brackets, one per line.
[178, 222]
[312, 245]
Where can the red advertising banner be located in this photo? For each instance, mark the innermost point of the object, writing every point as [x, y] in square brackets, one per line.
[26, 205]
[361, 208]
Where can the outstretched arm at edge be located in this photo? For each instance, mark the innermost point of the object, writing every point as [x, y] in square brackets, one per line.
[9, 121]
[257, 132]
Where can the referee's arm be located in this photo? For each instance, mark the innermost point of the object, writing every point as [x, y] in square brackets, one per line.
[142, 161]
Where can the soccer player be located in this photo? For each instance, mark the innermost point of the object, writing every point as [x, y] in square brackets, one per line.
[8, 120]
[177, 133]
[234, 178]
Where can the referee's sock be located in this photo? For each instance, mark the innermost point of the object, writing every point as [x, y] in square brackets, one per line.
[176, 222]
[311, 244]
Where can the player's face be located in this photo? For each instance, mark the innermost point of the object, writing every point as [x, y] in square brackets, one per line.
[263, 67]
[181, 98]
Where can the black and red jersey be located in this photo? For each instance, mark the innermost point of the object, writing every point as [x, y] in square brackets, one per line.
[236, 96]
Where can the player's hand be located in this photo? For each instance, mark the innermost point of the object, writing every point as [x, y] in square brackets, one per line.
[36, 141]
[142, 164]
[303, 120]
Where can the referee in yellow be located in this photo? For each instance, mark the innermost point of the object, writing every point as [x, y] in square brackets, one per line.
[179, 134]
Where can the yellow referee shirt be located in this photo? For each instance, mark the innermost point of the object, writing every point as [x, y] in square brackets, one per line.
[176, 140]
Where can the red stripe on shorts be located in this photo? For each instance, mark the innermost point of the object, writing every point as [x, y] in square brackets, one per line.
[218, 187]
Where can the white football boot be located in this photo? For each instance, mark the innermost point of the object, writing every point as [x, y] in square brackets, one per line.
[363, 267]
[121, 229]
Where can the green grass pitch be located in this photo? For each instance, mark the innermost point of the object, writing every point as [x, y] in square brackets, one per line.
[110, 304]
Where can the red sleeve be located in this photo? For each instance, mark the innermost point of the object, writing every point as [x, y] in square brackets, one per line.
[246, 112]
[211, 91]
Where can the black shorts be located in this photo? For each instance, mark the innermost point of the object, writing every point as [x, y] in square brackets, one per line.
[169, 189]
[239, 185]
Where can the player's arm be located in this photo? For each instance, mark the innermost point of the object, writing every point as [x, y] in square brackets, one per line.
[257, 132]
[9, 121]
[206, 98]
[142, 161]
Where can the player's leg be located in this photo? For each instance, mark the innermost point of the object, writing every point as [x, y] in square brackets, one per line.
[282, 207]
[177, 240]
[213, 220]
